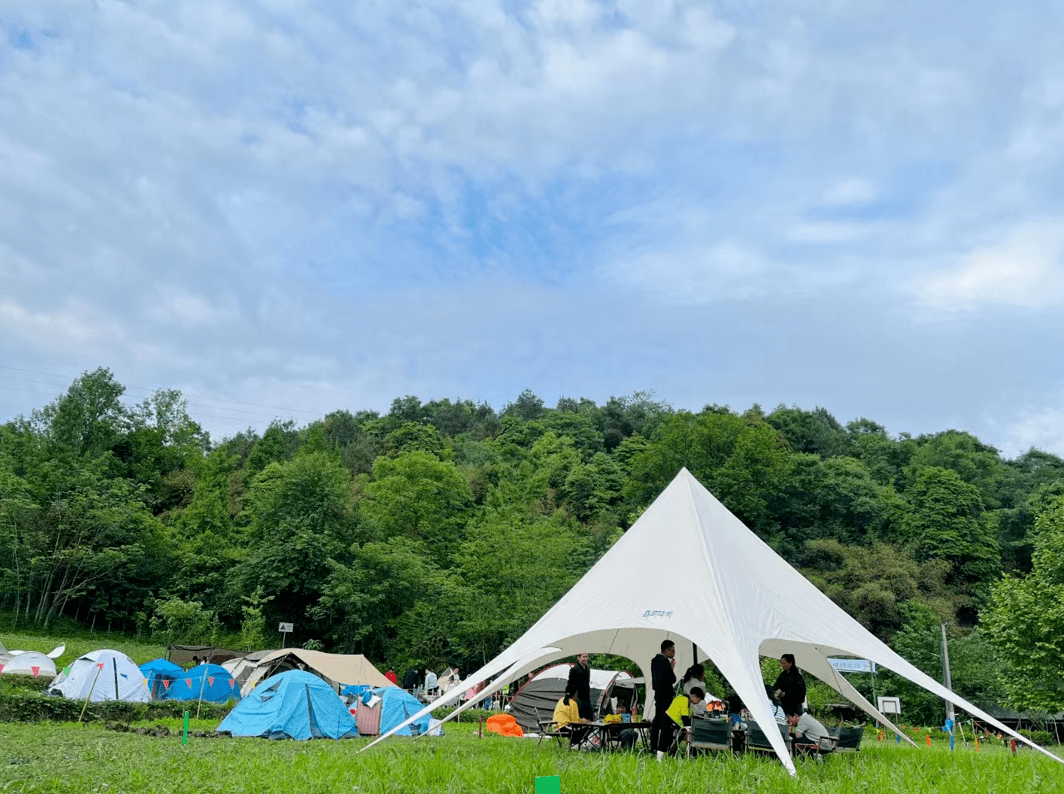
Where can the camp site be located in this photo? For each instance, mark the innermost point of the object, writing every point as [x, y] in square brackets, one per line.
[321, 719]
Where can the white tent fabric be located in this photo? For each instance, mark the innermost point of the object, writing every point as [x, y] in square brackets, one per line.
[102, 675]
[27, 663]
[705, 580]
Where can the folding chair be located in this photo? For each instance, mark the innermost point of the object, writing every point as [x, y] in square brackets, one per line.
[757, 741]
[548, 729]
[825, 746]
[848, 738]
[708, 734]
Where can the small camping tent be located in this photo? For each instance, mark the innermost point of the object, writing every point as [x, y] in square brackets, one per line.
[334, 668]
[210, 682]
[292, 705]
[542, 692]
[242, 667]
[159, 674]
[397, 706]
[102, 675]
[26, 663]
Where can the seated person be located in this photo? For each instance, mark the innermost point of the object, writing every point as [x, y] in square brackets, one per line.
[777, 710]
[809, 731]
[680, 710]
[628, 735]
[567, 716]
[735, 709]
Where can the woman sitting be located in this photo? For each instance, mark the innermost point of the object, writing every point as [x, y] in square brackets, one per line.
[567, 716]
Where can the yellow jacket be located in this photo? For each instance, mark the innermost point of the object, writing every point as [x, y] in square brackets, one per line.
[680, 708]
[563, 714]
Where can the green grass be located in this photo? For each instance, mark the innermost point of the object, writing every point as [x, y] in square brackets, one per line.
[71, 758]
[81, 644]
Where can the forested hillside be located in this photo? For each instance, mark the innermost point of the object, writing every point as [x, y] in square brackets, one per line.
[440, 531]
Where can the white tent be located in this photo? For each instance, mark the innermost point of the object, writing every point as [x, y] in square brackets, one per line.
[102, 675]
[704, 580]
[27, 663]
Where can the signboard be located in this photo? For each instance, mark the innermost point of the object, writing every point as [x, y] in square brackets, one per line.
[890, 705]
[853, 665]
[286, 628]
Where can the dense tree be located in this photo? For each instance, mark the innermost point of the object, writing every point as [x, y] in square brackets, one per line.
[441, 530]
[1025, 621]
[945, 521]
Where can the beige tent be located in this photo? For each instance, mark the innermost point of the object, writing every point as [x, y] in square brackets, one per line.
[335, 669]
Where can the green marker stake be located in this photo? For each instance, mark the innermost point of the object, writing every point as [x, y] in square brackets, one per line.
[549, 785]
[184, 738]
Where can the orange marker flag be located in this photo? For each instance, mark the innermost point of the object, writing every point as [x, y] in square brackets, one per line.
[929, 740]
[977, 744]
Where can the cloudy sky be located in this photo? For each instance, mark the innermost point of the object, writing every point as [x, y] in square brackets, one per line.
[283, 208]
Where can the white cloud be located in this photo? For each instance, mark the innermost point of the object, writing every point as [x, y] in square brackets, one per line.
[1025, 270]
[850, 193]
[1040, 428]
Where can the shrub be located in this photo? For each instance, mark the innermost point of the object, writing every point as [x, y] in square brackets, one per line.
[31, 707]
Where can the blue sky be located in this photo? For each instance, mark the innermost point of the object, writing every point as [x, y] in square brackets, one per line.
[285, 208]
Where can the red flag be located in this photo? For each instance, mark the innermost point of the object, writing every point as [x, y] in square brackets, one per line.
[210, 680]
[166, 684]
[189, 682]
[232, 683]
[36, 671]
[100, 665]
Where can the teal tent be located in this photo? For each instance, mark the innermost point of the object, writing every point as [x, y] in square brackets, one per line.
[158, 673]
[292, 705]
[397, 706]
[210, 682]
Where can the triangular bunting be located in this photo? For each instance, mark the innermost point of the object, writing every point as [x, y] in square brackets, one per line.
[36, 671]
[210, 680]
[189, 682]
[232, 684]
[166, 684]
[100, 665]
[1, 669]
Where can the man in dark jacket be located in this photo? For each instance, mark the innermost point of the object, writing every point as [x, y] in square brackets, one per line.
[580, 678]
[411, 679]
[790, 686]
[663, 681]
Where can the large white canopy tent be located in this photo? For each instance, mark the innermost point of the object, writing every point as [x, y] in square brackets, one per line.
[704, 579]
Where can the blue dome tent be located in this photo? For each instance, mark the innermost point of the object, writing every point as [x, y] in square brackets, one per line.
[158, 672]
[292, 705]
[397, 706]
[210, 682]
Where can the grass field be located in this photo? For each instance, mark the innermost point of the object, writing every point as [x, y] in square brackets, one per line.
[88, 758]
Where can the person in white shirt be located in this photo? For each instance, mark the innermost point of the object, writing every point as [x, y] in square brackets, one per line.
[431, 682]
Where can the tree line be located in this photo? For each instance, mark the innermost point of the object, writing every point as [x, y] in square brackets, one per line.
[439, 532]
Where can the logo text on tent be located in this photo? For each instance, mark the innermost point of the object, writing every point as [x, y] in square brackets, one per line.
[657, 613]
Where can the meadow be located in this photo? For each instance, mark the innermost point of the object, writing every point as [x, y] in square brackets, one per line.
[68, 757]
[49, 757]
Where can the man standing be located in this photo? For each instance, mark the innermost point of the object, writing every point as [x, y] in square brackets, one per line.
[580, 679]
[663, 681]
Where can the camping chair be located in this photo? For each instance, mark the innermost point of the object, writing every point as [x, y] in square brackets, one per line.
[825, 746]
[708, 734]
[848, 738]
[757, 741]
[548, 729]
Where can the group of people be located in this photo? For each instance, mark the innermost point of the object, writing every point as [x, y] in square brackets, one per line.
[672, 709]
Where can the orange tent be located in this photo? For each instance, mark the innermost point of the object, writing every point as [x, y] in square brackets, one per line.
[504, 725]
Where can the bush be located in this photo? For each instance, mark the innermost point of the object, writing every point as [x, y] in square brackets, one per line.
[31, 707]
[1038, 737]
